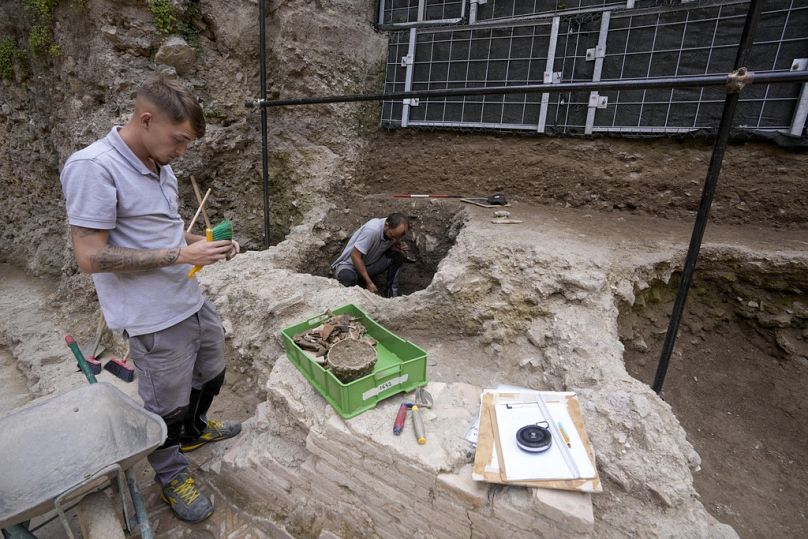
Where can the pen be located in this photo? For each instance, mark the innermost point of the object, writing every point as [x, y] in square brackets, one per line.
[564, 434]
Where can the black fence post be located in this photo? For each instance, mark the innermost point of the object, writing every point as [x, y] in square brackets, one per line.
[262, 38]
[734, 87]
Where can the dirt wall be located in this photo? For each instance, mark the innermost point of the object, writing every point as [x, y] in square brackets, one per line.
[759, 182]
[54, 104]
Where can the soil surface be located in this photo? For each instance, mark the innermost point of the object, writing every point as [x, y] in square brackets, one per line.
[737, 395]
[660, 177]
[741, 400]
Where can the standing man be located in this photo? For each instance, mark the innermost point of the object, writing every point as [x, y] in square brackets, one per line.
[372, 249]
[122, 206]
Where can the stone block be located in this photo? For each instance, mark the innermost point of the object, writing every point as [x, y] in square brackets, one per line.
[571, 509]
[460, 486]
[483, 526]
[176, 53]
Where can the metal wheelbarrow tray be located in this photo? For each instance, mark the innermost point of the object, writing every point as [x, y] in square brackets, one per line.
[56, 443]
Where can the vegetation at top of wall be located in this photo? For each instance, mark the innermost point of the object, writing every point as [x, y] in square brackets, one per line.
[9, 53]
[40, 37]
[170, 21]
[34, 38]
[163, 15]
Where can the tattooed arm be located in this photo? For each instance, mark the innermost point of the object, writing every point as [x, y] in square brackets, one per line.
[94, 254]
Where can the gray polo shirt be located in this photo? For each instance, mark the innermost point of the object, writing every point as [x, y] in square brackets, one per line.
[368, 240]
[107, 187]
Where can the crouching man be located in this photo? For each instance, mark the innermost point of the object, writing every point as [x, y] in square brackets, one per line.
[373, 249]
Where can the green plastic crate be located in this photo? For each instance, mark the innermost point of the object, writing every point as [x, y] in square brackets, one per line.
[400, 366]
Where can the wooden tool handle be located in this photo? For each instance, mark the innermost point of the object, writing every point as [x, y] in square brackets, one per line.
[199, 199]
[198, 211]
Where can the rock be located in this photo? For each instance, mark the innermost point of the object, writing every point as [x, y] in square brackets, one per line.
[639, 344]
[781, 320]
[661, 496]
[785, 343]
[110, 33]
[176, 53]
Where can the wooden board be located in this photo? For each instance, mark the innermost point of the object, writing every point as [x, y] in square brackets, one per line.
[488, 458]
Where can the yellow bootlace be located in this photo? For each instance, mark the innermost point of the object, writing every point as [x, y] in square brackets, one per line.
[187, 491]
[215, 425]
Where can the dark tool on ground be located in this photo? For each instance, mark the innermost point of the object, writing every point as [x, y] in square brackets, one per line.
[497, 199]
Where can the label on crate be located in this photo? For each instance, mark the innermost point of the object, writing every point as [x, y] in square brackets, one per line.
[382, 387]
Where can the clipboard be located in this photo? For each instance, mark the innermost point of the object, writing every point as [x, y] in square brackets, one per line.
[489, 462]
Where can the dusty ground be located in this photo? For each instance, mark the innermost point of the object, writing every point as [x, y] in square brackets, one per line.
[26, 299]
[723, 452]
[739, 395]
[474, 346]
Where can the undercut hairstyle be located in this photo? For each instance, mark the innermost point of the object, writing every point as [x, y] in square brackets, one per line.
[175, 100]
[394, 220]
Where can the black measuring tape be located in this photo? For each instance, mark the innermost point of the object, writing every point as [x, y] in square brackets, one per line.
[534, 438]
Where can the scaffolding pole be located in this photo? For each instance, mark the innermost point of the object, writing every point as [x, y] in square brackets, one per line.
[690, 81]
[262, 38]
[720, 146]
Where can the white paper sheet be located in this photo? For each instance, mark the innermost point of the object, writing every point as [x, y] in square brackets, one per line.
[521, 465]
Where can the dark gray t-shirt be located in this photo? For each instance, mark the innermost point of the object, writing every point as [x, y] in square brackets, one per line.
[368, 240]
[107, 187]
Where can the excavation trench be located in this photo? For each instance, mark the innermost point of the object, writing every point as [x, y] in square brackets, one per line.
[434, 225]
[736, 383]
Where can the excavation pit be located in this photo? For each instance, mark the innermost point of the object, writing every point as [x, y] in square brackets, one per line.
[736, 383]
[434, 225]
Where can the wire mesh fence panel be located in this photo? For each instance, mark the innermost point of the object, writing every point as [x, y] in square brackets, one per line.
[394, 77]
[696, 38]
[494, 10]
[406, 12]
[699, 41]
[443, 10]
[398, 11]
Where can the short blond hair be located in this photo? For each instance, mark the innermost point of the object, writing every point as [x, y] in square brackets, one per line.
[175, 100]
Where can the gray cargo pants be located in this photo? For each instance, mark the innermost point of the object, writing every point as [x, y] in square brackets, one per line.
[346, 273]
[175, 367]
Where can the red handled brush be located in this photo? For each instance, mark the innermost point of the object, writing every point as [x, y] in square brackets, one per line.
[119, 368]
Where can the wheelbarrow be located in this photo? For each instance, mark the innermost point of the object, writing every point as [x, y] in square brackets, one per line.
[59, 449]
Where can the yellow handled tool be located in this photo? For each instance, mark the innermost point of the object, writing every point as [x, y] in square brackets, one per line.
[418, 423]
[195, 269]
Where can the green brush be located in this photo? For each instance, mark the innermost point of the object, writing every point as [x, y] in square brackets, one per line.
[222, 231]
